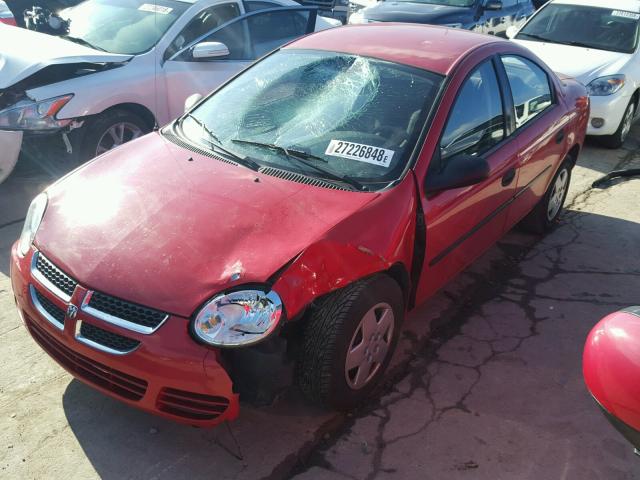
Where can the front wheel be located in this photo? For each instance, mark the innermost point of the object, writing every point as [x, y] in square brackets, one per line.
[110, 130]
[617, 139]
[546, 213]
[348, 342]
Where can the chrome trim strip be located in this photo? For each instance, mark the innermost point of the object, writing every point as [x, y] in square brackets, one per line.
[120, 322]
[97, 346]
[42, 311]
[44, 281]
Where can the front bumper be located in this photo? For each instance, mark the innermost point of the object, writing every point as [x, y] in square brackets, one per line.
[10, 145]
[611, 109]
[167, 374]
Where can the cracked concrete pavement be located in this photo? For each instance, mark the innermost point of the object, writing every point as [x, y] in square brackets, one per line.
[486, 382]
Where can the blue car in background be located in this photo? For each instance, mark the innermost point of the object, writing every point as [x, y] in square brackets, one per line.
[493, 17]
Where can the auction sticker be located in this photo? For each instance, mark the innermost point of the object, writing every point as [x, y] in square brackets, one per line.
[148, 7]
[362, 153]
[622, 13]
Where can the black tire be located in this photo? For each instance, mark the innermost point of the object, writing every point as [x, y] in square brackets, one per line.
[539, 221]
[617, 139]
[328, 335]
[98, 126]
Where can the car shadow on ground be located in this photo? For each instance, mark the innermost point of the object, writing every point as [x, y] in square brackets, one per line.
[121, 441]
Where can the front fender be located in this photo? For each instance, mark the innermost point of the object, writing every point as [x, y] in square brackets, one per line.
[372, 240]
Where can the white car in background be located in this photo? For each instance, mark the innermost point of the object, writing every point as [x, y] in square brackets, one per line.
[597, 43]
[123, 66]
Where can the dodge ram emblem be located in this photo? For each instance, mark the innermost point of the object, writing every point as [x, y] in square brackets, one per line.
[72, 311]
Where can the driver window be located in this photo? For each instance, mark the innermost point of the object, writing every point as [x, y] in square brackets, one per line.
[476, 122]
[205, 21]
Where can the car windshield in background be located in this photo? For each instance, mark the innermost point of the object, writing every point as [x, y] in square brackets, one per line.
[448, 3]
[121, 26]
[591, 27]
[320, 113]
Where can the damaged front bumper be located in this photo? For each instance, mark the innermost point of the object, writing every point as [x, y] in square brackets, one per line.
[166, 373]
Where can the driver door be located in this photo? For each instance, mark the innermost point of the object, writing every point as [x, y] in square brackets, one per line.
[247, 37]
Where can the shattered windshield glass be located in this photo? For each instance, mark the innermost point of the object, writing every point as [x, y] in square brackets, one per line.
[320, 113]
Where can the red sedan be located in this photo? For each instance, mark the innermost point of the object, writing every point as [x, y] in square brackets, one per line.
[300, 210]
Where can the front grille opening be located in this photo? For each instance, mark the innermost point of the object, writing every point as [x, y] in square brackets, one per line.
[191, 405]
[115, 381]
[131, 312]
[57, 277]
[108, 339]
[50, 307]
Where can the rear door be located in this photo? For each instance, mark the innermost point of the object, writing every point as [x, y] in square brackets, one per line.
[248, 37]
[540, 131]
[464, 222]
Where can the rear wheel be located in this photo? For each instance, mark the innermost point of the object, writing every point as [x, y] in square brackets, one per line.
[617, 139]
[348, 342]
[545, 215]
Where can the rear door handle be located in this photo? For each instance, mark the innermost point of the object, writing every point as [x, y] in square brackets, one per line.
[508, 177]
[560, 136]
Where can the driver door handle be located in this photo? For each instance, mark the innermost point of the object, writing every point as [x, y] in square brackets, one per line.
[508, 177]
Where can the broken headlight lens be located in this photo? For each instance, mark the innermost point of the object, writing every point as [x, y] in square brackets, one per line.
[29, 115]
[238, 318]
[32, 223]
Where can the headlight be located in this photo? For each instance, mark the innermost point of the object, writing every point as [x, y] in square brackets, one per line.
[604, 86]
[32, 222]
[29, 115]
[238, 318]
[452, 25]
[358, 17]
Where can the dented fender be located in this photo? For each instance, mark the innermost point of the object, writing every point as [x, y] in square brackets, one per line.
[372, 240]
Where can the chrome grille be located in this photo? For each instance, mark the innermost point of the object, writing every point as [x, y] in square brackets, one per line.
[47, 308]
[125, 314]
[103, 338]
[53, 278]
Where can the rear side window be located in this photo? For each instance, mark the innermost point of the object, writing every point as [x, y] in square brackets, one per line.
[530, 88]
[476, 122]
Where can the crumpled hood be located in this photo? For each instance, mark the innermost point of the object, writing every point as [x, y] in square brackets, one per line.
[24, 52]
[146, 224]
[583, 64]
[389, 11]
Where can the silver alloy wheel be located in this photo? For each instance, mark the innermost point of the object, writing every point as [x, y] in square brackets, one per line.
[627, 122]
[369, 346]
[557, 194]
[116, 135]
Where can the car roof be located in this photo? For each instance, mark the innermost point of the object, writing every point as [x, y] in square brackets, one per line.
[433, 48]
[628, 5]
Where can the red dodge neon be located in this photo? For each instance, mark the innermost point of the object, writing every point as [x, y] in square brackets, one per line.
[302, 209]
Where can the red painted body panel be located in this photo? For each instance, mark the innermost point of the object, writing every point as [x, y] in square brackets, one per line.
[180, 227]
[611, 366]
[159, 225]
[8, 21]
[436, 49]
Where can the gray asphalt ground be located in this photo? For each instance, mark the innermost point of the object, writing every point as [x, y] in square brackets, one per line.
[486, 383]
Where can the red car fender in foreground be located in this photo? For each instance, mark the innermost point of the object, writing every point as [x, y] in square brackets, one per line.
[611, 368]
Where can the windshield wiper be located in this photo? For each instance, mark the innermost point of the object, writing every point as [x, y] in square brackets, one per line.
[216, 145]
[537, 37]
[83, 42]
[304, 157]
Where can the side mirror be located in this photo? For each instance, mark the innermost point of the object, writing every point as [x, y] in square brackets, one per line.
[512, 31]
[210, 50]
[493, 5]
[191, 101]
[460, 171]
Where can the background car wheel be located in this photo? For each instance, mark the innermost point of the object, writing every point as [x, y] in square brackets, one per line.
[110, 130]
[348, 342]
[617, 139]
[545, 215]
